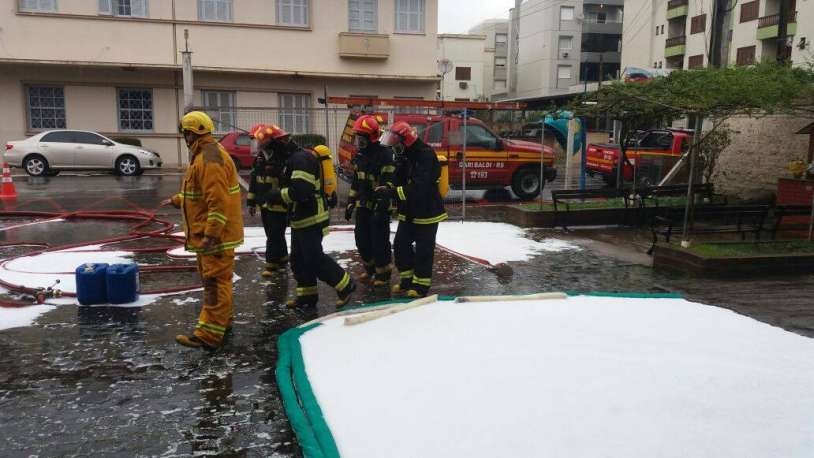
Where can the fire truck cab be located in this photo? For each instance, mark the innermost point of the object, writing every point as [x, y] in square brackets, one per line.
[492, 162]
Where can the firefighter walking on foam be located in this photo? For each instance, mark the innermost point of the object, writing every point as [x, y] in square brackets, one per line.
[373, 167]
[213, 226]
[266, 174]
[301, 190]
[420, 208]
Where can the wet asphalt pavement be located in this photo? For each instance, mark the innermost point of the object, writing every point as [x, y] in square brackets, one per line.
[112, 382]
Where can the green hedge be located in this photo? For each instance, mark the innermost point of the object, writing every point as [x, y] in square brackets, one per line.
[127, 140]
[309, 140]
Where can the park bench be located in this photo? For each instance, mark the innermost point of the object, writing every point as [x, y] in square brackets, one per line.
[705, 190]
[785, 211]
[565, 197]
[714, 219]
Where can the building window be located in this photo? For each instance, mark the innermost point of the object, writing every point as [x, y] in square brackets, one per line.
[221, 106]
[39, 6]
[657, 30]
[564, 72]
[463, 73]
[131, 8]
[750, 11]
[410, 16]
[595, 17]
[500, 62]
[135, 109]
[363, 16]
[694, 62]
[292, 12]
[746, 56]
[698, 24]
[294, 112]
[566, 13]
[46, 107]
[662, 29]
[500, 85]
[215, 10]
[501, 39]
[566, 43]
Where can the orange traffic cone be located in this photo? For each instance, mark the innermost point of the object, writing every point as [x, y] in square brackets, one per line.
[7, 191]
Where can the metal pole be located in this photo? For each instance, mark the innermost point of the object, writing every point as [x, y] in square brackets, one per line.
[811, 221]
[688, 207]
[327, 114]
[583, 150]
[542, 158]
[782, 31]
[463, 154]
[186, 69]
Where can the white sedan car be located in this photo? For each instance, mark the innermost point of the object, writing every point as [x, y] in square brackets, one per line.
[48, 153]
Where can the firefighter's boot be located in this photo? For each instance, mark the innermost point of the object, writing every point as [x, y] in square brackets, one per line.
[192, 341]
[307, 297]
[344, 295]
[275, 266]
[370, 271]
[382, 277]
[404, 285]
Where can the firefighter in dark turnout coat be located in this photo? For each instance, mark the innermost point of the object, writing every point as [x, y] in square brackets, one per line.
[373, 167]
[301, 191]
[265, 176]
[420, 208]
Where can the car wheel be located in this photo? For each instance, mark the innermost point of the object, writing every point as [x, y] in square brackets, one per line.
[36, 165]
[526, 183]
[127, 166]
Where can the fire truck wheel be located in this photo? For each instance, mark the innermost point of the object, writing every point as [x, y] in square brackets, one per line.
[526, 183]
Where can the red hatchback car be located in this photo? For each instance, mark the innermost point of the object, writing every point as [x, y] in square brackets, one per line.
[238, 144]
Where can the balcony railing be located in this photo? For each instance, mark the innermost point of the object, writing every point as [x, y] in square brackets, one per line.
[676, 3]
[675, 41]
[774, 19]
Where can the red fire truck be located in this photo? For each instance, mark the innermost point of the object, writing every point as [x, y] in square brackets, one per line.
[492, 162]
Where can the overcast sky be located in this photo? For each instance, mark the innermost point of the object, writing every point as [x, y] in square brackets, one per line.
[458, 16]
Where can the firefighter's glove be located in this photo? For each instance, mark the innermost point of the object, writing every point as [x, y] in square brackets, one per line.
[252, 210]
[274, 197]
[382, 205]
[385, 192]
[333, 200]
[349, 210]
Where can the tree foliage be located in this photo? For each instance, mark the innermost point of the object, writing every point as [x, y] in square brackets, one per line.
[716, 94]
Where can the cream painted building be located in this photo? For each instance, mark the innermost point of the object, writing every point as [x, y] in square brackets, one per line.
[465, 80]
[114, 66]
[676, 34]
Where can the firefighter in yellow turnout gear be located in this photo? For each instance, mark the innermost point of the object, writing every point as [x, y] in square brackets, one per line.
[303, 194]
[213, 225]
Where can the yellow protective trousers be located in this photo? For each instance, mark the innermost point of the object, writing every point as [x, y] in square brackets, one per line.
[216, 314]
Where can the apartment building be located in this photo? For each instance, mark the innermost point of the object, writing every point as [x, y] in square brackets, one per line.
[114, 66]
[676, 34]
[465, 55]
[564, 45]
[496, 56]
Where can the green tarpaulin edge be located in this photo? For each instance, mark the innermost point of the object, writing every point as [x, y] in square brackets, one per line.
[300, 403]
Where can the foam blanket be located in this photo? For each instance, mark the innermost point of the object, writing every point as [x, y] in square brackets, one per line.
[582, 376]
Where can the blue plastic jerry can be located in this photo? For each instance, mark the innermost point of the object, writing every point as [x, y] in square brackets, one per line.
[122, 283]
[91, 284]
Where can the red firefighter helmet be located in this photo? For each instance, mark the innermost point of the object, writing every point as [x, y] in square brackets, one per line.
[265, 133]
[368, 126]
[400, 132]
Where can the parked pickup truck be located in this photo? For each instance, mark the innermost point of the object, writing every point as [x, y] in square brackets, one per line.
[653, 154]
[492, 162]
[238, 145]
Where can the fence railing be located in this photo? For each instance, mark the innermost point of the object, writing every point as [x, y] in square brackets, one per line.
[675, 41]
[774, 19]
[676, 3]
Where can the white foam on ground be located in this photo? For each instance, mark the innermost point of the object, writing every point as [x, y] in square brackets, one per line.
[576, 377]
[14, 317]
[495, 242]
[42, 270]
